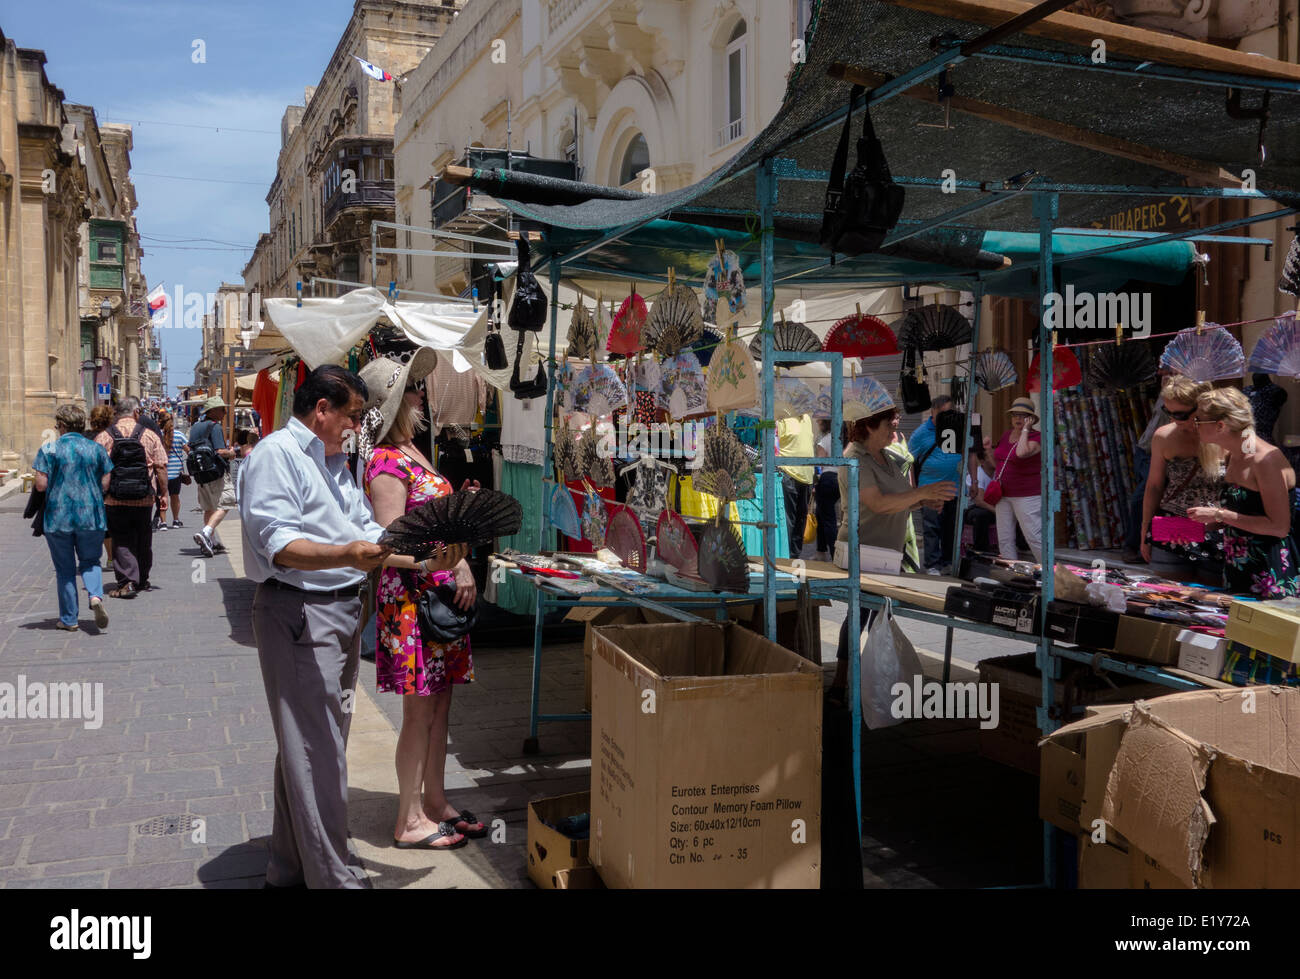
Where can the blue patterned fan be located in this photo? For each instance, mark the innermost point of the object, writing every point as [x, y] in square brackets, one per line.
[1278, 350]
[994, 370]
[1208, 354]
[793, 397]
[564, 513]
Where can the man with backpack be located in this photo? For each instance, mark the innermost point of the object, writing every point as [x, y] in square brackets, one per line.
[208, 465]
[139, 475]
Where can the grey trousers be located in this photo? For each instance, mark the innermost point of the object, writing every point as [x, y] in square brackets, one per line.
[309, 649]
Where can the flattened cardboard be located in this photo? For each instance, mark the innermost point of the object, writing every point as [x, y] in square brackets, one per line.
[1264, 626]
[706, 749]
[549, 850]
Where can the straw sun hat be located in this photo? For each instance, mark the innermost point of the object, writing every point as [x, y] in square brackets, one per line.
[1023, 406]
[386, 380]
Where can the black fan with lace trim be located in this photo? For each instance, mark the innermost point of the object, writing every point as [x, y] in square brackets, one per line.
[723, 563]
[1122, 367]
[933, 328]
[471, 517]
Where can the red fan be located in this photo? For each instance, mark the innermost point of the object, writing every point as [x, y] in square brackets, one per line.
[861, 335]
[1066, 372]
[675, 543]
[623, 536]
[625, 333]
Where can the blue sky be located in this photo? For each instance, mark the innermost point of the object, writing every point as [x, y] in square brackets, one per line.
[133, 61]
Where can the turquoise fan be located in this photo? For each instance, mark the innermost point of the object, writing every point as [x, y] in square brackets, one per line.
[564, 513]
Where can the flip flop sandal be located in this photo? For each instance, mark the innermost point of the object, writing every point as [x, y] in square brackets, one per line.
[445, 831]
[467, 824]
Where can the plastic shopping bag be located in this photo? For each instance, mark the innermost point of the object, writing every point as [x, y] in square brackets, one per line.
[888, 657]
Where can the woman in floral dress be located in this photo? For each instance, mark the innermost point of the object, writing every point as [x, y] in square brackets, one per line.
[1259, 548]
[398, 478]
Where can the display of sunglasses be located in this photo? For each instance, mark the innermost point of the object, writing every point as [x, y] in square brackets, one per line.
[1182, 416]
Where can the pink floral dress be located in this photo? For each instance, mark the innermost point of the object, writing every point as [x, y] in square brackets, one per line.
[403, 663]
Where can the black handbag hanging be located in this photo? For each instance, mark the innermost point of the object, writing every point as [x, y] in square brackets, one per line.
[914, 391]
[528, 309]
[494, 348]
[862, 207]
[526, 390]
[437, 613]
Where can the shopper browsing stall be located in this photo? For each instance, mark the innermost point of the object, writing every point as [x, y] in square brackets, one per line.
[1016, 468]
[1255, 511]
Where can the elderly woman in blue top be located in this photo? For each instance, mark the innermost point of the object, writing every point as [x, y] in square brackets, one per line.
[934, 465]
[73, 471]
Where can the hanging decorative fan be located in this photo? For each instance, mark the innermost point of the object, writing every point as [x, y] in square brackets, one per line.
[733, 378]
[623, 536]
[1208, 354]
[787, 337]
[675, 544]
[724, 278]
[724, 470]
[1278, 350]
[710, 339]
[625, 333]
[565, 453]
[594, 518]
[563, 512]
[682, 388]
[583, 341]
[598, 390]
[994, 370]
[600, 321]
[1121, 367]
[861, 335]
[674, 321]
[598, 468]
[936, 327]
[1290, 281]
[1066, 372]
[471, 517]
[864, 396]
[723, 563]
[793, 397]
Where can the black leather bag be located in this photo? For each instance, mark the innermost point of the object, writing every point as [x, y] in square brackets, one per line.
[862, 207]
[440, 619]
[914, 392]
[526, 390]
[528, 308]
[494, 348]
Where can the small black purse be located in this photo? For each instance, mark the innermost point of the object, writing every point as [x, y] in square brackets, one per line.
[861, 208]
[528, 308]
[494, 348]
[440, 619]
[914, 391]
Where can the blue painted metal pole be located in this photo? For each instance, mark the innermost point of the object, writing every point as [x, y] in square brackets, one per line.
[766, 186]
[1046, 208]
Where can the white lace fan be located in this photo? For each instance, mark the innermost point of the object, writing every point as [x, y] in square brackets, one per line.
[1208, 354]
[1278, 350]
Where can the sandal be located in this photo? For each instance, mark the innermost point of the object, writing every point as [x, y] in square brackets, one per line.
[126, 591]
[467, 824]
[430, 842]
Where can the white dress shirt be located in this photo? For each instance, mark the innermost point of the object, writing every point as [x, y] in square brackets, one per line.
[289, 491]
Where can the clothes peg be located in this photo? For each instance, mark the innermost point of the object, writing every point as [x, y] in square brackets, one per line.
[858, 307]
[672, 278]
[474, 296]
[300, 293]
[1055, 339]
[1119, 334]
[392, 290]
[1200, 320]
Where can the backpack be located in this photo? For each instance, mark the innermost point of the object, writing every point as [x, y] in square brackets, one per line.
[203, 463]
[130, 478]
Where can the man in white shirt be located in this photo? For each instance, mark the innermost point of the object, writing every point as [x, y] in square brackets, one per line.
[309, 538]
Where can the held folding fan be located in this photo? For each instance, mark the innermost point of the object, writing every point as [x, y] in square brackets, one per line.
[1205, 353]
[471, 517]
[1278, 350]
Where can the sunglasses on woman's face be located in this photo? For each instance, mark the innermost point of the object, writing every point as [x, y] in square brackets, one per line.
[1182, 416]
[1207, 421]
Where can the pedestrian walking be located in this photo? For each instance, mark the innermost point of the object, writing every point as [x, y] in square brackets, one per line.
[177, 446]
[74, 472]
[138, 479]
[309, 540]
[216, 497]
[398, 478]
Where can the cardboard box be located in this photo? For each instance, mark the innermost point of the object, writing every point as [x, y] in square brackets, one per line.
[597, 615]
[1102, 866]
[578, 879]
[1201, 654]
[1145, 874]
[1264, 626]
[1075, 768]
[1207, 784]
[1060, 786]
[549, 850]
[706, 759]
[1147, 639]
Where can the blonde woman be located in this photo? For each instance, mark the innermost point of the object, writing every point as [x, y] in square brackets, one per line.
[1177, 482]
[1255, 504]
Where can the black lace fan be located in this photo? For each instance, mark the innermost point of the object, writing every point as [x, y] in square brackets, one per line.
[787, 337]
[723, 563]
[1121, 367]
[933, 328]
[1290, 281]
[471, 517]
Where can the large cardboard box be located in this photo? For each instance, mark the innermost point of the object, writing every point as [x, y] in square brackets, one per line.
[1102, 866]
[1264, 626]
[1066, 796]
[1060, 786]
[1147, 639]
[1146, 874]
[706, 759]
[549, 850]
[1207, 785]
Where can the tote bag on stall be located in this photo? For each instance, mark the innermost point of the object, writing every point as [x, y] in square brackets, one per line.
[888, 657]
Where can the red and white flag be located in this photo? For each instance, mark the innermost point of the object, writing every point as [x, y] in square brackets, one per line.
[374, 71]
[157, 300]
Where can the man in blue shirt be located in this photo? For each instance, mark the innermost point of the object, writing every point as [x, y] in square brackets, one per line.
[934, 465]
